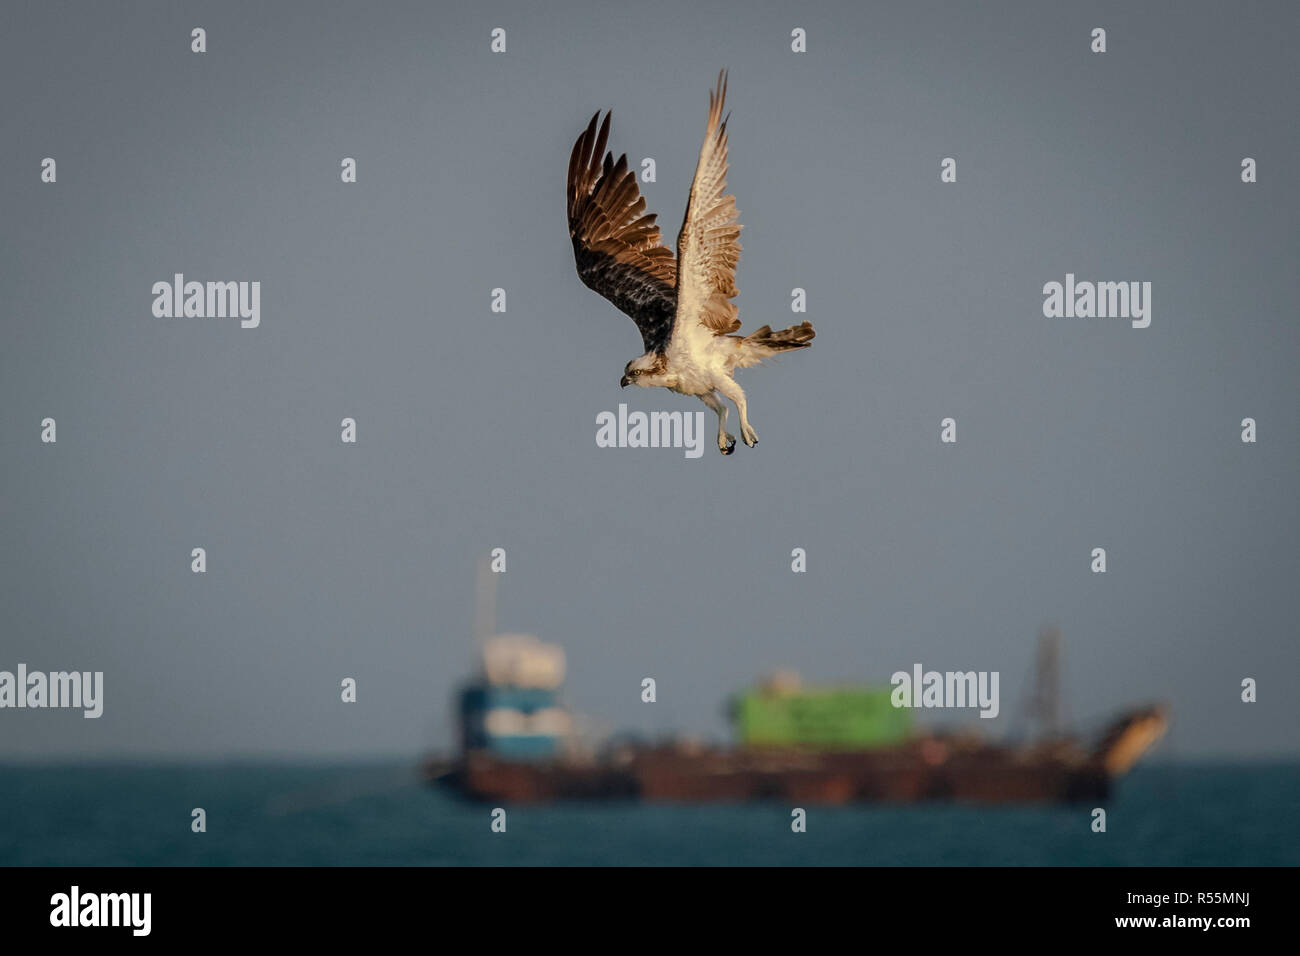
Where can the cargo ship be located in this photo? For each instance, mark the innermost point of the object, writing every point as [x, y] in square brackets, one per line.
[795, 743]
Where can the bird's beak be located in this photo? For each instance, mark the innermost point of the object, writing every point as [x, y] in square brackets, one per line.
[624, 382]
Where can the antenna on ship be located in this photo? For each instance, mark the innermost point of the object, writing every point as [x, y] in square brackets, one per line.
[1045, 703]
[485, 606]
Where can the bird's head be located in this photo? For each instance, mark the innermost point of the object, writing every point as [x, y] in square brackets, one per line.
[647, 371]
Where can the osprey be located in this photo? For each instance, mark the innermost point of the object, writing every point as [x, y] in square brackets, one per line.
[681, 305]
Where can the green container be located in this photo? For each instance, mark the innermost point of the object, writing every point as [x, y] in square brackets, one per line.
[850, 718]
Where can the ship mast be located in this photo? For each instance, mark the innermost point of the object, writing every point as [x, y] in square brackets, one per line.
[1045, 702]
[485, 606]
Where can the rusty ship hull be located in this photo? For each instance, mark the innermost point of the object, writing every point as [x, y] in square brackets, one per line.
[927, 769]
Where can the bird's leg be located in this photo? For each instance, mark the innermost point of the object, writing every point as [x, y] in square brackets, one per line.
[733, 391]
[726, 443]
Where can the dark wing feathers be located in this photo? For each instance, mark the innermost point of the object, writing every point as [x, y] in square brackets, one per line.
[616, 245]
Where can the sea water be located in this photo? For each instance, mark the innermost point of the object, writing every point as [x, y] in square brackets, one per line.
[384, 814]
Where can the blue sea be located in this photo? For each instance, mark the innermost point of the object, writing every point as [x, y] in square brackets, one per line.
[383, 814]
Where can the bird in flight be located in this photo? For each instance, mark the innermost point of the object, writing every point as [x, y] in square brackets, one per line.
[682, 305]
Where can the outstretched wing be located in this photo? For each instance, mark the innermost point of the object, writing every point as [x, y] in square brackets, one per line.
[615, 244]
[708, 246]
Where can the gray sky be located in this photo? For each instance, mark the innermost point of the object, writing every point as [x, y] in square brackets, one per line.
[477, 430]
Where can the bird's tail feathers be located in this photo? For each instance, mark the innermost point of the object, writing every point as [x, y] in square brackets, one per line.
[764, 343]
[795, 337]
